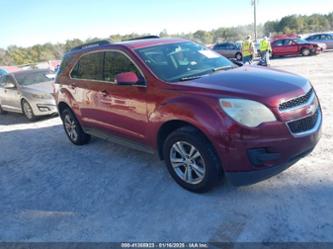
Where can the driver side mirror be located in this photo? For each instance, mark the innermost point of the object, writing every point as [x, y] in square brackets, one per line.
[127, 78]
[9, 85]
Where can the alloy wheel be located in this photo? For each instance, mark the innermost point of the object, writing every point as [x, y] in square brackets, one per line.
[70, 126]
[187, 162]
[27, 110]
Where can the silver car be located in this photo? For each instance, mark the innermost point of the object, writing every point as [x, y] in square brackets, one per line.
[322, 38]
[28, 92]
[229, 50]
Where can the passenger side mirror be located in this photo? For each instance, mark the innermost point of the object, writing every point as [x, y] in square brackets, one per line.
[9, 86]
[127, 78]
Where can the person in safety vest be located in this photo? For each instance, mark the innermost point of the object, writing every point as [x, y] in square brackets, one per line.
[265, 49]
[247, 50]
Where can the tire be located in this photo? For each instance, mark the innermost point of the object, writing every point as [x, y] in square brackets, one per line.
[178, 146]
[306, 52]
[73, 128]
[239, 56]
[27, 110]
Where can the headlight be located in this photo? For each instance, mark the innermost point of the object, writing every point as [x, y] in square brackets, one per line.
[247, 112]
[41, 96]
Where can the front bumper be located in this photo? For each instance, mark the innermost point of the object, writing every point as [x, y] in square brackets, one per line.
[251, 177]
[250, 157]
[43, 107]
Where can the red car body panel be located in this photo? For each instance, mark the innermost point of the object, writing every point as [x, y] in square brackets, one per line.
[294, 48]
[138, 112]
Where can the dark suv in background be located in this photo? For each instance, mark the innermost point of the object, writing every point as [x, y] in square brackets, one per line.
[201, 113]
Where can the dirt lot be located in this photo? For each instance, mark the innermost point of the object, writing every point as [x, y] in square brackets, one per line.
[51, 190]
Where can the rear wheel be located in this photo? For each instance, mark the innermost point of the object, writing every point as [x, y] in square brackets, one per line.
[306, 52]
[27, 110]
[191, 160]
[73, 128]
[239, 56]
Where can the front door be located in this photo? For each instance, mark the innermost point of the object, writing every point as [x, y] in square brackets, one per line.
[9, 97]
[291, 47]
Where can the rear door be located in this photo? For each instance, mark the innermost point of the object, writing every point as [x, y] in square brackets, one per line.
[103, 104]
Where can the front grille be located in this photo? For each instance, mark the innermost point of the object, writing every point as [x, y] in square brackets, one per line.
[296, 102]
[305, 124]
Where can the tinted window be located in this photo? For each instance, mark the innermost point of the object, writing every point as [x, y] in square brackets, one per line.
[115, 63]
[278, 43]
[89, 67]
[222, 46]
[230, 46]
[288, 42]
[326, 37]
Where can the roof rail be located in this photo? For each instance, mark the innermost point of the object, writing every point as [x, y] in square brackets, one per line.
[91, 45]
[143, 37]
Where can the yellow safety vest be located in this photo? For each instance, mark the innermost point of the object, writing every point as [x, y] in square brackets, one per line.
[246, 48]
[265, 46]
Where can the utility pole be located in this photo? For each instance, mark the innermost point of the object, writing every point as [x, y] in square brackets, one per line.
[254, 3]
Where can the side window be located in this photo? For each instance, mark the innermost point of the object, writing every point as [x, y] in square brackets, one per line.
[8, 79]
[116, 63]
[288, 42]
[89, 67]
[314, 37]
[278, 43]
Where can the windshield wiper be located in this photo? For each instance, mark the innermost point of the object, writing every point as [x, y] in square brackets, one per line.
[222, 68]
[190, 77]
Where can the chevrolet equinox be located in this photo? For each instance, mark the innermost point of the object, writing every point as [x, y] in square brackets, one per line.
[205, 116]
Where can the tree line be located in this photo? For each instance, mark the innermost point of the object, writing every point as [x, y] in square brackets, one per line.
[15, 55]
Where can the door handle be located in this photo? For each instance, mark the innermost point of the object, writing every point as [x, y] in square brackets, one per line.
[104, 93]
[72, 85]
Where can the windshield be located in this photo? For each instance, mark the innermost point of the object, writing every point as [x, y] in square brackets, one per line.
[182, 61]
[30, 78]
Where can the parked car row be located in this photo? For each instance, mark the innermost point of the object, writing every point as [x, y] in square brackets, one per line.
[202, 114]
[282, 46]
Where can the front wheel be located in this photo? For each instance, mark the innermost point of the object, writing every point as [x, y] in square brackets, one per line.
[27, 110]
[191, 160]
[73, 128]
[306, 52]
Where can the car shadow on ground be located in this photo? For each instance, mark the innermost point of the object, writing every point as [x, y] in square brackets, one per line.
[10, 118]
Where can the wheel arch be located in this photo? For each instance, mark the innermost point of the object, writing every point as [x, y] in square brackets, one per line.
[62, 106]
[170, 126]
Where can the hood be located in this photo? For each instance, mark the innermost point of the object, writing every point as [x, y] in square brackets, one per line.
[253, 82]
[44, 87]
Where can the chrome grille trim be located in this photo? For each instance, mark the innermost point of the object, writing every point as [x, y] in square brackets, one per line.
[298, 102]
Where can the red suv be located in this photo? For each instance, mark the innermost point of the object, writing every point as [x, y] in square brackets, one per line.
[202, 114]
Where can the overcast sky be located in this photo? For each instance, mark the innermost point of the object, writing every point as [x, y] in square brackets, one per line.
[28, 22]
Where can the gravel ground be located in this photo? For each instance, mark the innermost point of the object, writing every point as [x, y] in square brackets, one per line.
[51, 190]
